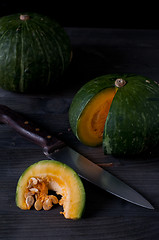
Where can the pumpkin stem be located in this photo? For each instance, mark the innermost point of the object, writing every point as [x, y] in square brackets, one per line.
[24, 17]
[119, 82]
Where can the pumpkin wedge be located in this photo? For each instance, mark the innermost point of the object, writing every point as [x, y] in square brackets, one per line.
[39, 178]
[120, 111]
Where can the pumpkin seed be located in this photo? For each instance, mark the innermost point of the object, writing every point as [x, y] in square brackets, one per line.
[38, 205]
[29, 201]
[34, 190]
[47, 204]
[28, 194]
[32, 182]
[54, 199]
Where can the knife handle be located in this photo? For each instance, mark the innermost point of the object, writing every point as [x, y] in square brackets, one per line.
[29, 130]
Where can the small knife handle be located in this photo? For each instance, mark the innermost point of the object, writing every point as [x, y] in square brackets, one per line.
[29, 130]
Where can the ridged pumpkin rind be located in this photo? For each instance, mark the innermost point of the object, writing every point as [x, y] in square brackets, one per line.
[132, 125]
[69, 180]
[33, 53]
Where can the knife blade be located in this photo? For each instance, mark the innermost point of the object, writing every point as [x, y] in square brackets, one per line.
[57, 150]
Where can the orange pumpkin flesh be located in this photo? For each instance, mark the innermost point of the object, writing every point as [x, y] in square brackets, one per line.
[92, 120]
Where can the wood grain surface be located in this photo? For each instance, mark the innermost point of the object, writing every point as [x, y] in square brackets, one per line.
[95, 52]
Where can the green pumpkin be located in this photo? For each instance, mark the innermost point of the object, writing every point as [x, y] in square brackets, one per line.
[120, 111]
[34, 52]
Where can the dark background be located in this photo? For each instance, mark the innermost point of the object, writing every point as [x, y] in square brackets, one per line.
[97, 14]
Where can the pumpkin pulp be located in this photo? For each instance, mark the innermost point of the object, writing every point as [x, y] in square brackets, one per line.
[92, 120]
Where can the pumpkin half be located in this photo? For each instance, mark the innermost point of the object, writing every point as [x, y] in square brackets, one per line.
[119, 110]
[39, 178]
[35, 51]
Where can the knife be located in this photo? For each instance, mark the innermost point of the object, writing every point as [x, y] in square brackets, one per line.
[57, 150]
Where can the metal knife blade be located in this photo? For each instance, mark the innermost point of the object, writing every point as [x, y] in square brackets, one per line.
[84, 167]
[98, 176]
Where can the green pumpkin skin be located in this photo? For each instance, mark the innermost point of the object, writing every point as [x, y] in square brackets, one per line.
[132, 124]
[33, 52]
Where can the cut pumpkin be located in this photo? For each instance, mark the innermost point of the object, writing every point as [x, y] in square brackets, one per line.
[39, 178]
[118, 111]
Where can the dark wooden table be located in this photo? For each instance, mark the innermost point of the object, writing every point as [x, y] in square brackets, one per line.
[96, 52]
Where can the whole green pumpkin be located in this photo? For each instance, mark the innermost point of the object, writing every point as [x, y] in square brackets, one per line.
[120, 111]
[34, 52]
